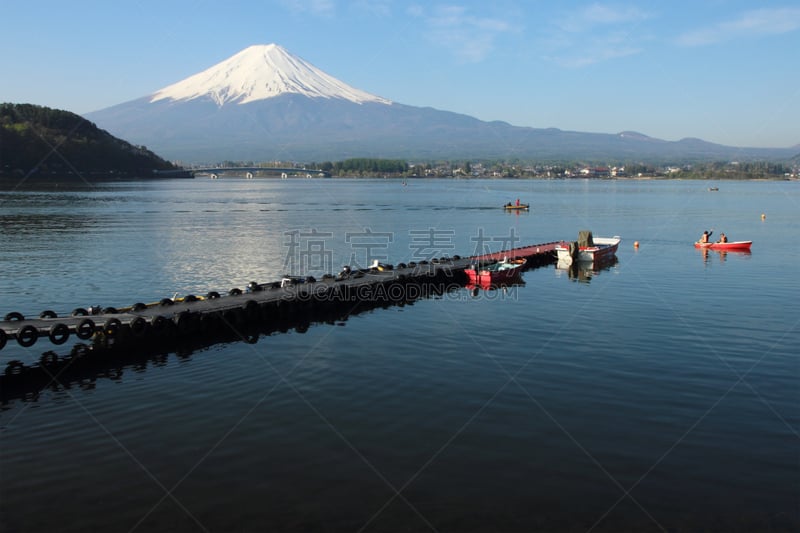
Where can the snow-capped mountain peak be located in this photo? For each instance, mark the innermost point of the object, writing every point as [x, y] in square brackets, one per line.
[259, 72]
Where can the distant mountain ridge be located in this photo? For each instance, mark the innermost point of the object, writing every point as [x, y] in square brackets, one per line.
[264, 103]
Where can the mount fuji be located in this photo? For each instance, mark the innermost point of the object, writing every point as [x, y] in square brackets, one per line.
[258, 73]
[264, 103]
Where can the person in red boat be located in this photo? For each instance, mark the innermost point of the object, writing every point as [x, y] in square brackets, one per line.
[723, 238]
[706, 235]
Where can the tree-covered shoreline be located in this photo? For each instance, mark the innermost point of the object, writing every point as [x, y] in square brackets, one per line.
[39, 142]
[712, 170]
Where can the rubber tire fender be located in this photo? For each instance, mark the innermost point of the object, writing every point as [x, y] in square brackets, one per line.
[158, 323]
[111, 327]
[27, 336]
[85, 329]
[138, 326]
[59, 333]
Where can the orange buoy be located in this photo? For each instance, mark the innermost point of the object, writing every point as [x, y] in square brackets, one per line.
[763, 216]
[635, 244]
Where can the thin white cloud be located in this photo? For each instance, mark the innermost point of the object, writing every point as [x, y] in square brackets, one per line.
[378, 8]
[597, 55]
[415, 10]
[594, 15]
[469, 37]
[328, 8]
[750, 24]
[596, 33]
[322, 8]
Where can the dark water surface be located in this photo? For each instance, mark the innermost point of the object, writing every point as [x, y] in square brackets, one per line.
[660, 394]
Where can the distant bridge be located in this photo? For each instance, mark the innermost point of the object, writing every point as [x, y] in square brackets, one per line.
[249, 172]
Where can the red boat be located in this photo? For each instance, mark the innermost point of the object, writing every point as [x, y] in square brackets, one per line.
[736, 246]
[496, 272]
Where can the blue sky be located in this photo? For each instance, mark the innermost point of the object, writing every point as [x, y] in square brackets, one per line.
[724, 71]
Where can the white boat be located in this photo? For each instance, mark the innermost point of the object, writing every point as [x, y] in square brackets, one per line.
[588, 248]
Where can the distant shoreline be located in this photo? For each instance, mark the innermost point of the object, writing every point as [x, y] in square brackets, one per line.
[40, 179]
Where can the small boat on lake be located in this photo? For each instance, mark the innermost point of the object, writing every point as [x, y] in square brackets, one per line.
[496, 272]
[735, 246]
[588, 248]
[516, 207]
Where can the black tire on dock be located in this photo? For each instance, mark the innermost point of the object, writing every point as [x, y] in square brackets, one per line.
[111, 327]
[3, 338]
[80, 311]
[138, 306]
[235, 292]
[14, 317]
[85, 329]
[251, 310]
[187, 322]
[159, 323]
[27, 336]
[59, 333]
[189, 298]
[165, 302]
[208, 323]
[48, 314]
[213, 295]
[138, 325]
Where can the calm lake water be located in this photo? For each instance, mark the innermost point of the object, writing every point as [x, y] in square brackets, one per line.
[659, 394]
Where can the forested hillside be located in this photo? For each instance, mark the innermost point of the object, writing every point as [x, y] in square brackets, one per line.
[38, 141]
